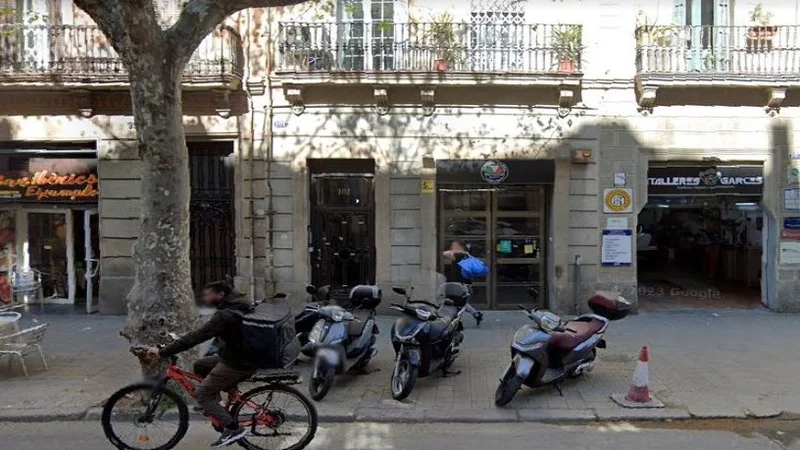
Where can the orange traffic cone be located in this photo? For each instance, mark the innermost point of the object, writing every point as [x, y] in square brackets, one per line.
[639, 394]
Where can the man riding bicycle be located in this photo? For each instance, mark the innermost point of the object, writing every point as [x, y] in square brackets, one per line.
[221, 371]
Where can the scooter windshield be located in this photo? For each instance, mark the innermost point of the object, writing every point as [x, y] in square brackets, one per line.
[426, 285]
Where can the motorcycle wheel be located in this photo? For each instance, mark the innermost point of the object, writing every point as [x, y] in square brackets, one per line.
[507, 389]
[403, 379]
[319, 386]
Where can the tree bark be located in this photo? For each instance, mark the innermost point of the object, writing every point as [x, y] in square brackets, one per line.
[161, 299]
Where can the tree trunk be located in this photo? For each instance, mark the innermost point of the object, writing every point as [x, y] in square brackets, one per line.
[161, 299]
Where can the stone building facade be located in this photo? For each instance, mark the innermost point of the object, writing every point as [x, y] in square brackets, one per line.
[361, 141]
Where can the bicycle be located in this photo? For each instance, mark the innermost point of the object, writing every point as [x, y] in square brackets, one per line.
[157, 401]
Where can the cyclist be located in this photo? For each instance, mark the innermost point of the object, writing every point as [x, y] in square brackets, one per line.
[457, 252]
[221, 371]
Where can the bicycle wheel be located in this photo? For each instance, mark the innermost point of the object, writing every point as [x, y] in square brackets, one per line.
[277, 417]
[143, 417]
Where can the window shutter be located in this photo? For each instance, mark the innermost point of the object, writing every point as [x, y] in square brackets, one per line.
[168, 11]
[679, 13]
[722, 13]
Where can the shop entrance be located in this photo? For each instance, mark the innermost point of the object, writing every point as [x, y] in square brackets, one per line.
[49, 232]
[499, 210]
[505, 227]
[342, 234]
[699, 237]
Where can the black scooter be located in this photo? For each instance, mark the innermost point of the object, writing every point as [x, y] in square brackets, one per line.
[428, 338]
[551, 350]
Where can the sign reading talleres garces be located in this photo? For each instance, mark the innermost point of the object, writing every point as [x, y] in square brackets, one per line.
[731, 180]
[51, 180]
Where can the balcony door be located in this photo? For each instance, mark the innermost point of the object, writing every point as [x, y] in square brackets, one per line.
[367, 34]
[707, 33]
[497, 35]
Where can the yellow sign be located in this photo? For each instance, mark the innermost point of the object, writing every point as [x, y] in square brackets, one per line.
[617, 201]
[428, 186]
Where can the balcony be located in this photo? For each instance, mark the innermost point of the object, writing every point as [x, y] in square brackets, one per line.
[80, 56]
[428, 53]
[766, 57]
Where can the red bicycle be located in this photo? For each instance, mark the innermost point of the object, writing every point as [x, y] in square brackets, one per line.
[151, 415]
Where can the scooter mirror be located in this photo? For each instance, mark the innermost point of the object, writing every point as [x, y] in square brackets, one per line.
[399, 290]
[279, 295]
[311, 289]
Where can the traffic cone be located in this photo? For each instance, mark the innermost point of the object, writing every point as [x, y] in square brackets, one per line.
[639, 394]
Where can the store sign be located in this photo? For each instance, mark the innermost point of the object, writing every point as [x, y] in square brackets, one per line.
[617, 201]
[734, 180]
[494, 172]
[61, 180]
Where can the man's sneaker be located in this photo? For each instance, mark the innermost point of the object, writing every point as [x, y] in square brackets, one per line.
[228, 437]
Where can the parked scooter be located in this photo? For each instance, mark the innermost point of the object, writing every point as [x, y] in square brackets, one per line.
[551, 350]
[428, 338]
[343, 341]
[305, 320]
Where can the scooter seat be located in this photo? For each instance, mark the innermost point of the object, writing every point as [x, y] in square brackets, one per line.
[583, 330]
[356, 327]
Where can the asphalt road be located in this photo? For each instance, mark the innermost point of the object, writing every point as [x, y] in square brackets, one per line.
[370, 436]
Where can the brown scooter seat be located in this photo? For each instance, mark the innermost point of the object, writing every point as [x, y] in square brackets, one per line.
[583, 330]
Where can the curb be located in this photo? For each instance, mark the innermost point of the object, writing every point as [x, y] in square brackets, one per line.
[389, 415]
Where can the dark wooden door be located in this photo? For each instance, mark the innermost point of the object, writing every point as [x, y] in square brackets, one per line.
[342, 237]
[212, 223]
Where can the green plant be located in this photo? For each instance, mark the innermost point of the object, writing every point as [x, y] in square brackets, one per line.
[760, 16]
[443, 36]
[567, 42]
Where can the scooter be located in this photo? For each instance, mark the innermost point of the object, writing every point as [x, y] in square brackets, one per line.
[304, 321]
[428, 338]
[343, 341]
[551, 350]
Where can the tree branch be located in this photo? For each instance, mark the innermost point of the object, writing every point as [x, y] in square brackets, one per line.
[199, 18]
[106, 14]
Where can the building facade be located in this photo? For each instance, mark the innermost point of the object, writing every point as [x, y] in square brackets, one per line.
[572, 147]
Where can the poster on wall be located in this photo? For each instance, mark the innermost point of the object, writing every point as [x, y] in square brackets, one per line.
[790, 252]
[617, 248]
[49, 180]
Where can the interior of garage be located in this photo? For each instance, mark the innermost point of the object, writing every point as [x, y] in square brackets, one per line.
[700, 251]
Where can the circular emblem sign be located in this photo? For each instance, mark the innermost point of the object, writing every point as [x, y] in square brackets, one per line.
[494, 172]
[618, 201]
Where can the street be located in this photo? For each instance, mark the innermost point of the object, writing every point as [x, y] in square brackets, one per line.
[442, 436]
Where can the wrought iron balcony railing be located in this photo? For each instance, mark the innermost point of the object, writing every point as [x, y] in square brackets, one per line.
[428, 47]
[82, 54]
[715, 50]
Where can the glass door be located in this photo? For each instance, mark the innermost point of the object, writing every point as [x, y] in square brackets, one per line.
[465, 218]
[48, 252]
[518, 237]
[91, 242]
[505, 228]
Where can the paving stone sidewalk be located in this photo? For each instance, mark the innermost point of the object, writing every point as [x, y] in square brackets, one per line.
[704, 364]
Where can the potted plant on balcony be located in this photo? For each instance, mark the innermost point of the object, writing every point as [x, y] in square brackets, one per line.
[760, 33]
[567, 45]
[443, 38]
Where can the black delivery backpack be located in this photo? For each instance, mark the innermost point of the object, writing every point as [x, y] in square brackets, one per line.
[268, 336]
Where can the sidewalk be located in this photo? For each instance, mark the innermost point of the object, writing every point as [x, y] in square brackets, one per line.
[702, 364]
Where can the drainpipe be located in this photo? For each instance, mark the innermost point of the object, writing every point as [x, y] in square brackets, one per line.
[251, 154]
[576, 290]
[270, 116]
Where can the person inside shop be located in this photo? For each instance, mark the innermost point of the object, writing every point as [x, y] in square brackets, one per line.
[457, 253]
[713, 241]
